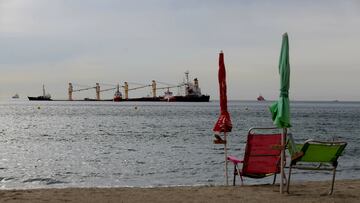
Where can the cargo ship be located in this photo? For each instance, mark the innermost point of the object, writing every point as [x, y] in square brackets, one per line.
[44, 97]
[191, 92]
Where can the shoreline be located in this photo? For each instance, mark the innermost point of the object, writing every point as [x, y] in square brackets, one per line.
[308, 191]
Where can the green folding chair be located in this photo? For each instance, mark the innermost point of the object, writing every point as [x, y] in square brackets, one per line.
[323, 154]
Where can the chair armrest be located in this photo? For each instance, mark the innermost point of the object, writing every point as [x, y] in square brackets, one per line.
[234, 160]
[309, 140]
[326, 142]
[278, 147]
[297, 155]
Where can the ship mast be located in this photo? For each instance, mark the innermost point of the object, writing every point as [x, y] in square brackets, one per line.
[117, 88]
[187, 77]
[43, 90]
[187, 83]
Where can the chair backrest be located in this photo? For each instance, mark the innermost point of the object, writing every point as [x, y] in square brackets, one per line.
[316, 151]
[261, 158]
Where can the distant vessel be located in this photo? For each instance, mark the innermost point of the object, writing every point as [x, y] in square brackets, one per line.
[192, 93]
[16, 96]
[168, 96]
[44, 97]
[117, 95]
[260, 98]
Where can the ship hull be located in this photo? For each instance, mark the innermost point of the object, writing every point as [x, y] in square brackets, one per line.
[117, 99]
[151, 99]
[89, 99]
[202, 98]
[39, 98]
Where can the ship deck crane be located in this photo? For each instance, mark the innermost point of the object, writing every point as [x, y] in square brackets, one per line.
[78, 90]
[104, 90]
[127, 89]
[169, 87]
[135, 88]
[97, 88]
[71, 89]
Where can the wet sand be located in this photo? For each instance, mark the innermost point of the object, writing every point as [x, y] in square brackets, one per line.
[345, 191]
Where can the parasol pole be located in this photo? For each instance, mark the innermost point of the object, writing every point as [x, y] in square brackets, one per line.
[282, 158]
[226, 163]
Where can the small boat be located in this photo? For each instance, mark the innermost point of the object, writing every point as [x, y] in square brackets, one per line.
[168, 96]
[260, 98]
[16, 96]
[44, 97]
[117, 95]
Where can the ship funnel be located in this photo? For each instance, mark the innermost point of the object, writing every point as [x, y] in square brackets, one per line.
[187, 76]
[196, 83]
[43, 90]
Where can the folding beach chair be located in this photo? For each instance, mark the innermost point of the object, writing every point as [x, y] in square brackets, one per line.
[323, 154]
[262, 155]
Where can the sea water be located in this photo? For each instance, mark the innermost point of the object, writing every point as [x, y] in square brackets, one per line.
[107, 144]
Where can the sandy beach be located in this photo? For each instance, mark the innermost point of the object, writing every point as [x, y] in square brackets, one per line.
[345, 191]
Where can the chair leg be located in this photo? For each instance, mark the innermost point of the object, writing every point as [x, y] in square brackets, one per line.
[274, 179]
[288, 181]
[241, 178]
[333, 181]
[237, 171]
[285, 179]
[234, 174]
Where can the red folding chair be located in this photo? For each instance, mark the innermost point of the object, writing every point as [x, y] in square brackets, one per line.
[262, 155]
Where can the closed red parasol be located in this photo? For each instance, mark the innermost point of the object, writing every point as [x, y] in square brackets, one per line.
[223, 124]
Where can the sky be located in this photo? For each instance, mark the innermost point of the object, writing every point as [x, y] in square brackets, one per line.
[54, 42]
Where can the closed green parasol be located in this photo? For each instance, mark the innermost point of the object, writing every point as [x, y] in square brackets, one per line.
[280, 110]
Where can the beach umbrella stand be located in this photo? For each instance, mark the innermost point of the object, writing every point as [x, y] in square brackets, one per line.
[220, 140]
[223, 124]
[280, 109]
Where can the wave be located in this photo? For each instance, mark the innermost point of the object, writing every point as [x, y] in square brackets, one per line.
[46, 181]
